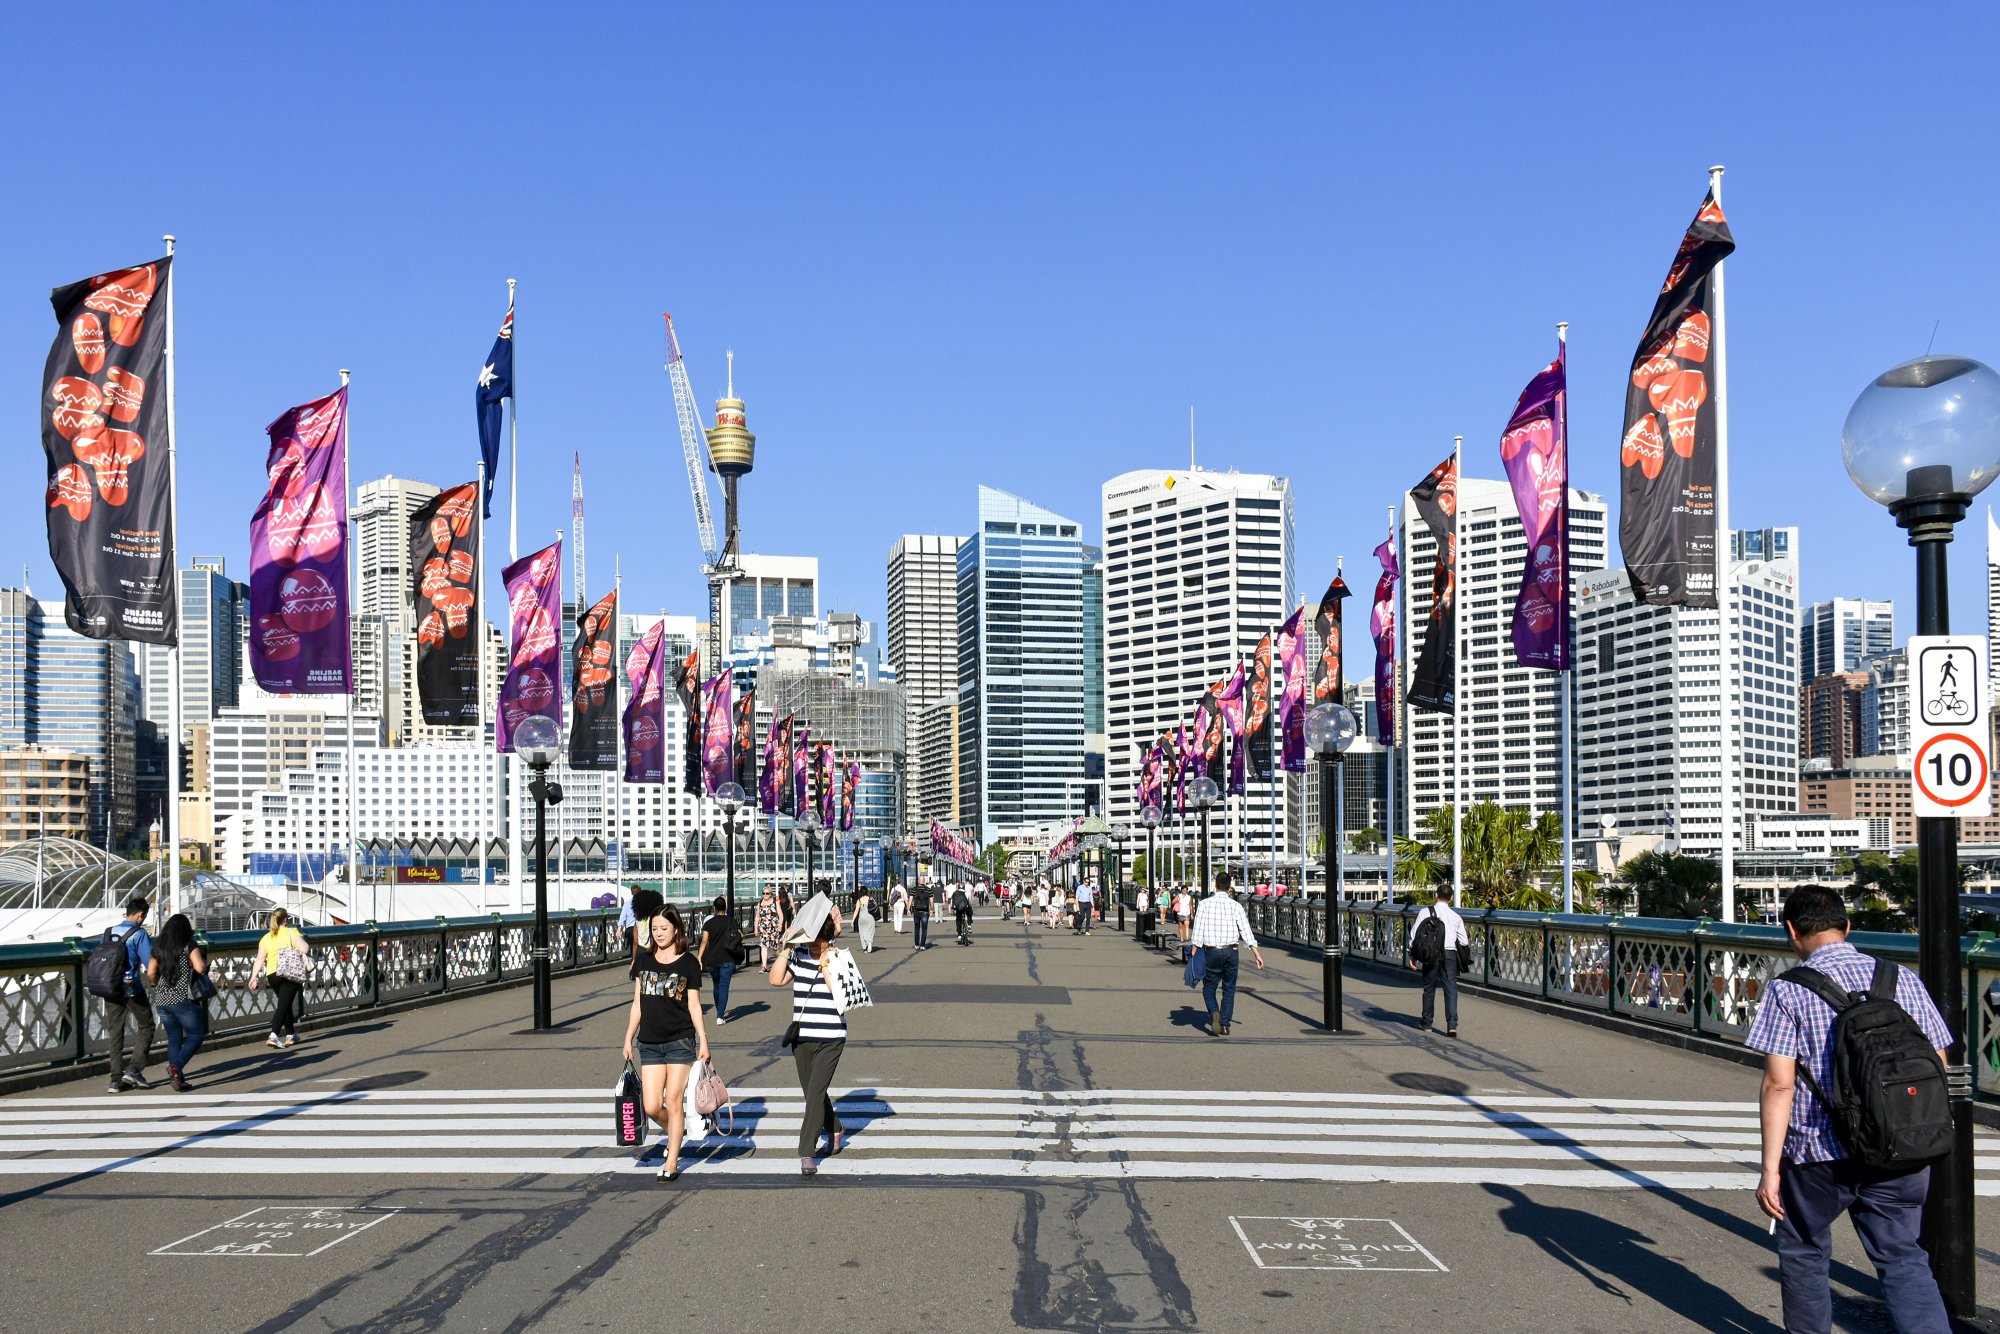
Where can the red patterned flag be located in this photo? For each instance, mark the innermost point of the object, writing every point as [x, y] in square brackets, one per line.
[299, 644]
[849, 785]
[444, 551]
[1435, 686]
[646, 712]
[593, 718]
[746, 741]
[687, 689]
[718, 765]
[1257, 725]
[1328, 675]
[1292, 703]
[534, 667]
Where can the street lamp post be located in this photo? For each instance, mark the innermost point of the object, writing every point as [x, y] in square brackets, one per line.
[731, 796]
[1329, 732]
[1150, 817]
[1923, 439]
[1203, 792]
[535, 742]
[812, 846]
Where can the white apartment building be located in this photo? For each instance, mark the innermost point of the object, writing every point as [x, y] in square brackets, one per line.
[1651, 708]
[923, 648]
[1197, 567]
[1844, 635]
[1512, 743]
[1817, 835]
[1885, 706]
[1992, 596]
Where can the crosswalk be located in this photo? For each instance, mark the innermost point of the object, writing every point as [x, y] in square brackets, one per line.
[963, 1133]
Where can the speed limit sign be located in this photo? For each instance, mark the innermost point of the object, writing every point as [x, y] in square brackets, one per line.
[1951, 765]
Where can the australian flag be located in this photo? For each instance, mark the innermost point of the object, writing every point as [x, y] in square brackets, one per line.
[496, 382]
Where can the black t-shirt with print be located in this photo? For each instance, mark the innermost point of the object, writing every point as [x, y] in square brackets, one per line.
[663, 1002]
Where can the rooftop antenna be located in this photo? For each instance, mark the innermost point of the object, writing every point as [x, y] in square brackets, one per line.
[730, 355]
[1192, 465]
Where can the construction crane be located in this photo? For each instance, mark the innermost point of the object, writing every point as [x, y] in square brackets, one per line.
[718, 563]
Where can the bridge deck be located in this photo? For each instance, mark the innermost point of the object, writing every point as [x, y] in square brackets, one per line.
[1046, 1139]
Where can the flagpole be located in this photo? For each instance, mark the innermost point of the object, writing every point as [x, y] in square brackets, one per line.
[1390, 748]
[353, 832]
[613, 816]
[1568, 674]
[1724, 579]
[562, 754]
[173, 812]
[479, 653]
[515, 863]
[1457, 695]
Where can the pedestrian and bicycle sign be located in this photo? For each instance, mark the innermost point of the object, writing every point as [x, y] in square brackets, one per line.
[1951, 762]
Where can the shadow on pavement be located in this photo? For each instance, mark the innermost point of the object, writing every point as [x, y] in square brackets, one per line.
[1419, 1083]
[1189, 1016]
[1312, 1024]
[268, 1062]
[387, 1080]
[1617, 1261]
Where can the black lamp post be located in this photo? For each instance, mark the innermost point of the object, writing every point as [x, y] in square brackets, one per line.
[1150, 817]
[1329, 732]
[535, 741]
[812, 846]
[1203, 793]
[1923, 439]
[731, 796]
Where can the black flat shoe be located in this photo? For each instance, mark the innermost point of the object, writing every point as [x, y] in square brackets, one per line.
[666, 1176]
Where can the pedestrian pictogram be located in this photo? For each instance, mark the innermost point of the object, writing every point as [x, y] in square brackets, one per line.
[1951, 763]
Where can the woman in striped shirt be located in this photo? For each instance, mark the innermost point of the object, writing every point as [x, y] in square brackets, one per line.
[817, 1037]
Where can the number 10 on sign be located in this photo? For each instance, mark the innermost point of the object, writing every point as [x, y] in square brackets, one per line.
[1950, 734]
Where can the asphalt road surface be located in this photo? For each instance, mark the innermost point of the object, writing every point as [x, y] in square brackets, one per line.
[1046, 1139]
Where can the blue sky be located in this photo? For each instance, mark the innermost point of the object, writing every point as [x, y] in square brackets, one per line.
[1002, 244]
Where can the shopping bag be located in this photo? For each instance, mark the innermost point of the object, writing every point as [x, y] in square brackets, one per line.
[628, 1109]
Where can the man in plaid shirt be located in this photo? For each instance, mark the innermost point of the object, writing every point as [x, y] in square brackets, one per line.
[1808, 1179]
[1220, 925]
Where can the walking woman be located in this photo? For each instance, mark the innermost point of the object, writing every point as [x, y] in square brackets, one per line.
[1184, 914]
[664, 1032]
[820, 1027]
[176, 977]
[639, 934]
[864, 920]
[287, 975]
[769, 928]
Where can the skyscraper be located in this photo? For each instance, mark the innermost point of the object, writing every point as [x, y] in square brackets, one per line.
[1843, 635]
[212, 608]
[382, 513]
[1197, 568]
[1512, 744]
[1020, 667]
[1992, 596]
[1885, 706]
[75, 695]
[923, 649]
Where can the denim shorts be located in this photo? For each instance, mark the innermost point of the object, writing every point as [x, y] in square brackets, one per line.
[680, 1051]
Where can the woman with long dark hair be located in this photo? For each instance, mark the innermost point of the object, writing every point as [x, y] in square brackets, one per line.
[664, 1032]
[176, 977]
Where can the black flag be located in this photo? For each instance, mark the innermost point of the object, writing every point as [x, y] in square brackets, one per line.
[1666, 523]
[444, 551]
[105, 430]
[1328, 678]
[593, 725]
[1435, 686]
[687, 688]
[745, 739]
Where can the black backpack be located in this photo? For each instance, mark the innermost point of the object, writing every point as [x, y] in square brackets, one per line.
[1888, 1102]
[105, 968]
[1427, 944]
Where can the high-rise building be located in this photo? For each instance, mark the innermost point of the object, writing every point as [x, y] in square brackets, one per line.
[934, 772]
[1653, 699]
[43, 793]
[1197, 567]
[1885, 706]
[1843, 635]
[766, 588]
[77, 695]
[1992, 597]
[1511, 749]
[1020, 667]
[212, 608]
[1766, 544]
[386, 596]
[1831, 726]
[923, 640]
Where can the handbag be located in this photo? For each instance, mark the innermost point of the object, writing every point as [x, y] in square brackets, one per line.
[1197, 968]
[843, 979]
[292, 965]
[627, 1109]
[711, 1095]
[204, 986]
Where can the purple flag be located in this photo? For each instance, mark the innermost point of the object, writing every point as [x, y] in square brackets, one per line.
[1382, 628]
[299, 641]
[824, 769]
[718, 764]
[848, 787]
[1231, 703]
[802, 772]
[1535, 450]
[1292, 702]
[767, 790]
[534, 609]
[646, 712]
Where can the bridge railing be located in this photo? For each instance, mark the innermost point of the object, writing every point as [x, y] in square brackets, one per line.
[1699, 977]
[47, 1018]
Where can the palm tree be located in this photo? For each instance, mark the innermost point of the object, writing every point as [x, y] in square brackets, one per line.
[1507, 855]
[1669, 885]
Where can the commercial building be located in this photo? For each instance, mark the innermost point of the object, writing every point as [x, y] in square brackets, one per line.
[43, 793]
[1021, 666]
[1511, 715]
[765, 589]
[936, 767]
[67, 693]
[1831, 717]
[1655, 695]
[1885, 706]
[212, 629]
[1198, 566]
[1877, 788]
[923, 637]
[387, 598]
[1844, 635]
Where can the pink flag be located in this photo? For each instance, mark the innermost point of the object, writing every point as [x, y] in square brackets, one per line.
[718, 764]
[1535, 451]
[1382, 628]
[646, 712]
[1232, 704]
[534, 670]
[299, 642]
[1292, 702]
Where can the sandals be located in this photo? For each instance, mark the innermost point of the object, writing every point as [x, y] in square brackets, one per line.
[665, 1176]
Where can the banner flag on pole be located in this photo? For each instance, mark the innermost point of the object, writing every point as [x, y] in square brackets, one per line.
[718, 712]
[782, 786]
[496, 384]
[1234, 718]
[823, 771]
[802, 772]
[1666, 520]
[1292, 701]
[850, 784]
[1382, 628]
[745, 760]
[104, 429]
[1435, 685]
[593, 719]
[687, 689]
[646, 712]
[1258, 726]
[1209, 711]
[444, 551]
[767, 781]
[1535, 453]
[299, 638]
[534, 664]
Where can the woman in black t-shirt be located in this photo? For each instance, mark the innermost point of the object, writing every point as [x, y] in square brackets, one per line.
[665, 1033]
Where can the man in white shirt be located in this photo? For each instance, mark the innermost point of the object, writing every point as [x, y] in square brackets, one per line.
[1220, 925]
[1085, 894]
[1443, 971]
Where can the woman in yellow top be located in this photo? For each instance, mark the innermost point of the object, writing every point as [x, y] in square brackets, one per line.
[280, 937]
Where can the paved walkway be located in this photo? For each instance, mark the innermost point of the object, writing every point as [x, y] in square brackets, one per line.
[1046, 1139]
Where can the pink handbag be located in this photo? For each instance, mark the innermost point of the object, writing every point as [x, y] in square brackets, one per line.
[711, 1095]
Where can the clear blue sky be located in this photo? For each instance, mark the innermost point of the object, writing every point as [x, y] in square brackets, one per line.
[1004, 244]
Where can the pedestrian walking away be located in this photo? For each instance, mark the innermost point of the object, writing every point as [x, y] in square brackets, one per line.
[132, 1004]
[864, 920]
[920, 915]
[178, 979]
[1435, 940]
[961, 911]
[818, 1034]
[899, 905]
[721, 946]
[285, 961]
[664, 1032]
[1809, 1175]
[1220, 928]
